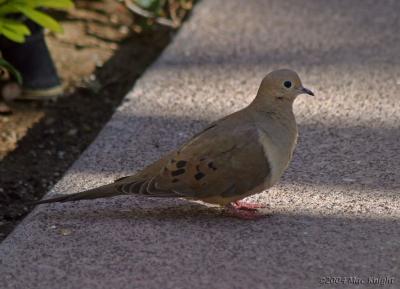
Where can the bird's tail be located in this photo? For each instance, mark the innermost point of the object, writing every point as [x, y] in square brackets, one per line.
[105, 191]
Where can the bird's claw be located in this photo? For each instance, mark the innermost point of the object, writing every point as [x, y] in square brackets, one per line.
[243, 210]
[241, 205]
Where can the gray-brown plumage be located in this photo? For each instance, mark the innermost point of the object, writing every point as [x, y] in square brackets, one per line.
[239, 155]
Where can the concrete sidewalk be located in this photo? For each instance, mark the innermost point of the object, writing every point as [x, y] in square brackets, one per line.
[336, 213]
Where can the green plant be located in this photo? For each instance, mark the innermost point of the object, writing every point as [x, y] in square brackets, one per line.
[15, 28]
[11, 70]
[13, 14]
[165, 12]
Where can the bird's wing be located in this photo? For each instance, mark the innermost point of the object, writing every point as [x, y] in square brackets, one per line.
[224, 160]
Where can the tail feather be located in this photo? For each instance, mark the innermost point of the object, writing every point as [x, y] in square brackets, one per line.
[105, 191]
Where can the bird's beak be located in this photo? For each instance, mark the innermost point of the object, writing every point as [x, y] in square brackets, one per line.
[307, 91]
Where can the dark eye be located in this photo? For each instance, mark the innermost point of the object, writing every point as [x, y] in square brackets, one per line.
[287, 84]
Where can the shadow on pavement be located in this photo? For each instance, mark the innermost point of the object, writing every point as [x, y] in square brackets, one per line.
[182, 242]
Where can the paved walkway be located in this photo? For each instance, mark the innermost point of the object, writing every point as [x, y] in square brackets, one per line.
[335, 214]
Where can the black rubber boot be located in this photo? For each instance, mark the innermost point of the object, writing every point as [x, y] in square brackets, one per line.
[32, 59]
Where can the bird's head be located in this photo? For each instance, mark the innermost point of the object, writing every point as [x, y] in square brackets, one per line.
[281, 87]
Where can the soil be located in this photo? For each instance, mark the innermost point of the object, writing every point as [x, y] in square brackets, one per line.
[99, 57]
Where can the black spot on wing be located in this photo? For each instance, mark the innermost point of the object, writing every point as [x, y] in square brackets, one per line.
[177, 172]
[181, 164]
[199, 176]
[212, 166]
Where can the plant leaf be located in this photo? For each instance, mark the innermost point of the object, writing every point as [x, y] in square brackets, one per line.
[39, 17]
[11, 34]
[148, 4]
[7, 9]
[60, 4]
[16, 26]
[11, 69]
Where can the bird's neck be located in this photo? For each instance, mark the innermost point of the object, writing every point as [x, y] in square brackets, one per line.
[276, 110]
[276, 119]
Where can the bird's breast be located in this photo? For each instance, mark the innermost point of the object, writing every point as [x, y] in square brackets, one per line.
[278, 148]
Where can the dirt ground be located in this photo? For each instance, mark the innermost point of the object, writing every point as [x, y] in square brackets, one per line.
[99, 57]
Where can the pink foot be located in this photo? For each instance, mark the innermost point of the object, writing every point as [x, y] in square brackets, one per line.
[247, 206]
[244, 212]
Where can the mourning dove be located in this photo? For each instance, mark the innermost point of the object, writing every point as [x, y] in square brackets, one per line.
[237, 156]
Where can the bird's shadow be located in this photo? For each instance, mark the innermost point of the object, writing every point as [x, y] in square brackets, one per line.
[137, 208]
[138, 231]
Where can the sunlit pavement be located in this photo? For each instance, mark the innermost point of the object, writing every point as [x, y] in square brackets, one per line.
[336, 212]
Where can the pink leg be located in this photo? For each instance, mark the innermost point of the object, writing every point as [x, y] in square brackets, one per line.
[243, 212]
[248, 206]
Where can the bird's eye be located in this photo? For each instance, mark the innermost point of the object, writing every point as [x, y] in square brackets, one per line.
[287, 84]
